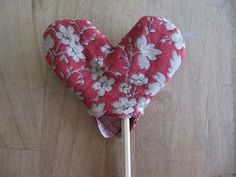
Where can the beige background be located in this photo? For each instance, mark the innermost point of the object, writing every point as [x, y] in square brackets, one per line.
[187, 131]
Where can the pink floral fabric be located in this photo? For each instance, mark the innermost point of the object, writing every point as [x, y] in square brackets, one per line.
[114, 82]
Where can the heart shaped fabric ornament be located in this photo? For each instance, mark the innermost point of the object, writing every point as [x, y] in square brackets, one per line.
[114, 82]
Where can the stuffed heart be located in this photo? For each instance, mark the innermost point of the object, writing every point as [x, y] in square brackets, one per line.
[114, 82]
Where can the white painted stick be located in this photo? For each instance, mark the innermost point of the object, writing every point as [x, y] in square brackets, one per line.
[126, 146]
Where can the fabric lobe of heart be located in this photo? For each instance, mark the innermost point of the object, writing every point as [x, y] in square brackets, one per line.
[114, 82]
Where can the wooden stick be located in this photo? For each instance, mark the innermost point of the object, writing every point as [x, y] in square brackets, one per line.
[126, 146]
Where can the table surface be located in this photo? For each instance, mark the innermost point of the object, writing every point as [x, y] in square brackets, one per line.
[188, 130]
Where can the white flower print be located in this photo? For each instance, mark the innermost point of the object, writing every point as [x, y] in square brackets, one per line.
[178, 40]
[142, 104]
[138, 79]
[66, 35]
[174, 64]
[48, 43]
[154, 88]
[76, 52]
[124, 106]
[106, 49]
[96, 66]
[97, 62]
[147, 52]
[97, 110]
[103, 85]
[125, 88]
[169, 26]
